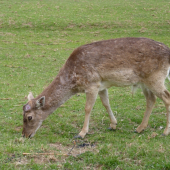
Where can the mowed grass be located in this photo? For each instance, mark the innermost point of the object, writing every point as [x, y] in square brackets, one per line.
[36, 38]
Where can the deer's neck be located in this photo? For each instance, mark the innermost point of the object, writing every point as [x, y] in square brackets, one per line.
[57, 93]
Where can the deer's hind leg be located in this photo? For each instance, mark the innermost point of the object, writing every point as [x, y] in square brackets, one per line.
[105, 101]
[165, 96]
[156, 85]
[150, 101]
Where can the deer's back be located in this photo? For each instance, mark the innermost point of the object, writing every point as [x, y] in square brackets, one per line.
[123, 58]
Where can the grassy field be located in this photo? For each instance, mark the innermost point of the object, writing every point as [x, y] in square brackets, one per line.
[36, 38]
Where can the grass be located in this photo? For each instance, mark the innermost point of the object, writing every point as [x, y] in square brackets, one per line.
[36, 39]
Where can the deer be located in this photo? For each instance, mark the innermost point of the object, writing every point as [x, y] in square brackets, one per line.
[95, 67]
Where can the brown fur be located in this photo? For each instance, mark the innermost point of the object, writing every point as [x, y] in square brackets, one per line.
[92, 68]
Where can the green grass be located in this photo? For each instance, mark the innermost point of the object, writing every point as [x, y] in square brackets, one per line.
[36, 38]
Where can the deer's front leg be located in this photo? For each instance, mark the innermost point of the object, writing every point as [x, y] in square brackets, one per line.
[90, 100]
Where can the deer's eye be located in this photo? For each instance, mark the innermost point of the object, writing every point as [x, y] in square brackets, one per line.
[29, 117]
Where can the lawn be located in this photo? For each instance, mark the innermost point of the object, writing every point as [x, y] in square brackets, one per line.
[36, 38]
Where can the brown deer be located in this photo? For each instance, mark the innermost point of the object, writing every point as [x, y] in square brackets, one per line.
[93, 68]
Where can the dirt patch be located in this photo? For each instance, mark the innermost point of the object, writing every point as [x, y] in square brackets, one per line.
[22, 161]
[40, 159]
[17, 159]
[76, 149]
[57, 153]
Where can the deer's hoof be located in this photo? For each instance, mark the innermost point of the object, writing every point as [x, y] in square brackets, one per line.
[111, 129]
[78, 137]
[139, 132]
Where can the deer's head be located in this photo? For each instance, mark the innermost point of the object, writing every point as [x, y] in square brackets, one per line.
[32, 115]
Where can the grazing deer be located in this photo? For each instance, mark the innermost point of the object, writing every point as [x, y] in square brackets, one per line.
[93, 68]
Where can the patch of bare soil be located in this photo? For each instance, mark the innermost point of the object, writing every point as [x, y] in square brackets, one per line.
[76, 149]
[57, 154]
[22, 161]
[40, 159]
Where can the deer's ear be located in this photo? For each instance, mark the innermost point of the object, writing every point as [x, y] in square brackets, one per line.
[40, 102]
[30, 96]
